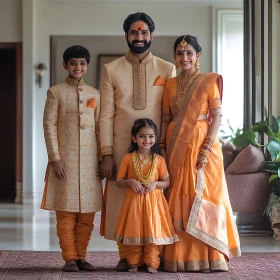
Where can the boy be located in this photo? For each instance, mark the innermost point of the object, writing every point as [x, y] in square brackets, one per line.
[71, 130]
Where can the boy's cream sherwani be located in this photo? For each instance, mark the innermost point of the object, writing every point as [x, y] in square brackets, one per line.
[71, 128]
[129, 90]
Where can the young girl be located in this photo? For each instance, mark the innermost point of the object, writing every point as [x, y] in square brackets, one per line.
[144, 222]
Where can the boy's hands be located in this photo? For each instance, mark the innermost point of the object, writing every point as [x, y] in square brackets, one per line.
[136, 186]
[58, 170]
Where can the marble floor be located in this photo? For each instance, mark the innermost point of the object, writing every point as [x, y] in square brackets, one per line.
[27, 227]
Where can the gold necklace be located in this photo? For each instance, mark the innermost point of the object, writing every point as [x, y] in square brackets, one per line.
[145, 160]
[144, 179]
[183, 88]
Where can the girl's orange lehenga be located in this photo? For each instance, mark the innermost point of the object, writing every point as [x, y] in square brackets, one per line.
[198, 199]
[144, 221]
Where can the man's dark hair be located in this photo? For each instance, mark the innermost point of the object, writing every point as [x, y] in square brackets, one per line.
[77, 52]
[136, 17]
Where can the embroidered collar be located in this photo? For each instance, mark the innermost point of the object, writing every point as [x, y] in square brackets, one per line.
[74, 82]
[133, 59]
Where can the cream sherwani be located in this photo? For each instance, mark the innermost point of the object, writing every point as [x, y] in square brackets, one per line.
[71, 128]
[129, 90]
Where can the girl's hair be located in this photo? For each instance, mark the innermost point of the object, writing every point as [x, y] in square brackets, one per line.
[190, 40]
[138, 124]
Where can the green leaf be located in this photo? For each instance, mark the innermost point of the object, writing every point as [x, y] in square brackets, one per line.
[272, 177]
[275, 125]
[276, 186]
[262, 127]
[278, 120]
[271, 166]
[273, 148]
[245, 139]
[268, 209]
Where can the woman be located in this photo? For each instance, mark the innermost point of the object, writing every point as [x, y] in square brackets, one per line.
[198, 196]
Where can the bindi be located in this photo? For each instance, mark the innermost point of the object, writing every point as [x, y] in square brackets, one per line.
[139, 28]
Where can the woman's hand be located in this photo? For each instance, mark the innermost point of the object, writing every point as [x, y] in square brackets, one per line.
[201, 161]
[136, 186]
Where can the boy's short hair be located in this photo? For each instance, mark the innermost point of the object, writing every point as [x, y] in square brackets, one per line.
[76, 51]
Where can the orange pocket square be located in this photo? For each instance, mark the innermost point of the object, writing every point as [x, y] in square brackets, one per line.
[91, 103]
[159, 81]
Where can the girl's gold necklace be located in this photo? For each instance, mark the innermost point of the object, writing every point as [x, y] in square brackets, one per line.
[144, 179]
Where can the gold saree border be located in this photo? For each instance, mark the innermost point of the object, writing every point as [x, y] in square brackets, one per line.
[181, 115]
[139, 79]
[195, 265]
[145, 240]
[199, 234]
[189, 110]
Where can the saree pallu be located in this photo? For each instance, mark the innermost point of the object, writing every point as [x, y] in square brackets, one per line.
[198, 199]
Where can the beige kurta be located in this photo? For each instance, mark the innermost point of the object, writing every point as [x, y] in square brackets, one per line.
[71, 129]
[128, 92]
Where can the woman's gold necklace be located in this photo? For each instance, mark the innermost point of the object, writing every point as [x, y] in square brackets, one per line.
[183, 88]
[144, 179]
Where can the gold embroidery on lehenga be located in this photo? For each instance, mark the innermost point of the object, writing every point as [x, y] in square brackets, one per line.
[145, 240]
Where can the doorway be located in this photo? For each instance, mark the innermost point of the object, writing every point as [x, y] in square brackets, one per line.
[10, 120]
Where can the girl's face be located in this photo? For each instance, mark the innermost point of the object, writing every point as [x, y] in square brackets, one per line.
[145, 138]
[186, 59]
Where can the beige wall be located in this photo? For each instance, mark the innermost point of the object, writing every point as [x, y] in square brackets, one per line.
[44, 18]
[275, 58]
[10, 21]
[106, 19]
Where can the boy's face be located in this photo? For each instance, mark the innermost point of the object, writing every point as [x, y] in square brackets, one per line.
[76, 67]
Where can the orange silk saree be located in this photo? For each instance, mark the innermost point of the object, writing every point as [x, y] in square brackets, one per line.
[198, 199]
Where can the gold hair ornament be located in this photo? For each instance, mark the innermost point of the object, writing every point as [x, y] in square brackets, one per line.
[183, 43]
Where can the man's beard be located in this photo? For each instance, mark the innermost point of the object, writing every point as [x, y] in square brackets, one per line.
[139, 49]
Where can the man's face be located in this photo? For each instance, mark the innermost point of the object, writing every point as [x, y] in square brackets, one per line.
[139, 37]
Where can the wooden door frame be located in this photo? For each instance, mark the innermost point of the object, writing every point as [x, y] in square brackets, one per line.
[19, 116]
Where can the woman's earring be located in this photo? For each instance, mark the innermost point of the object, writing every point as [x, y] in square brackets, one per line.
[197, 64]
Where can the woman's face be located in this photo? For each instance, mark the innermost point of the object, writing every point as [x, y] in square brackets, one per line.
[186, 57]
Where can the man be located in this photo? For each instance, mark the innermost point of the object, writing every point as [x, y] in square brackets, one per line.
[131, 88]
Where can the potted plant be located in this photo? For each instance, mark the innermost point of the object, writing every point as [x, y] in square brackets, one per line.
[272, 164]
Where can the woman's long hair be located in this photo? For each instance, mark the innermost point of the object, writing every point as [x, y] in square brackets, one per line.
[138, 124]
